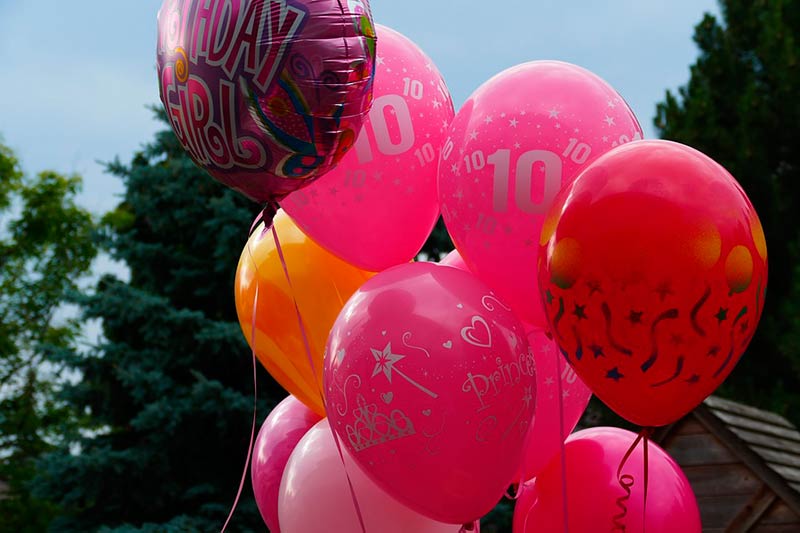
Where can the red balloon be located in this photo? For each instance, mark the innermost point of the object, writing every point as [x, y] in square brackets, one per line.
[653, 276]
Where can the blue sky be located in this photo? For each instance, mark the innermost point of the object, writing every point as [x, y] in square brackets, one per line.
[77, 76]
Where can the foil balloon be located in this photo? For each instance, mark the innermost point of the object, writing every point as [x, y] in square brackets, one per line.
[520, 138]
[377, 208]
[431, 387]
[653, 275]
[266, 95]
[320, 285]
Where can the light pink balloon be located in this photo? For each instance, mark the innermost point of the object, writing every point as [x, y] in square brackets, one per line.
[545, 436]
[520, 138]
[377, 208]
[595, 498]
[280, 433]
[543, 441]
[315, 496]
[454, 259]
[430, 384]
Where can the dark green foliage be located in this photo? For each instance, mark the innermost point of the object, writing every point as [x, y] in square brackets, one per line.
[46, 244]
[169, 392]
[740, 107]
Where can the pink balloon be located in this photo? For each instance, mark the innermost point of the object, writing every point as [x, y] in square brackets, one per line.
[280, 433]
[377, 208]
[315, 496]
[595, 499]
[454, 259]
[516, 141]
[431, 387]
[546, 433]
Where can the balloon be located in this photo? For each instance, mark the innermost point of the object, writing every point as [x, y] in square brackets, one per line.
[280, 433]
[316, 497]
[377, 208]
[546, 434]
[596, 501]
[266, 95]
[516, 141]
[454, 259]
[654, 273]
[320, 283]
[430, 385]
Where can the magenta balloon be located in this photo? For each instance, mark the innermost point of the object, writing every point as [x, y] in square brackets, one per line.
[280, 433]
[520, 138]
[266, 95]
[545, 436]
[431, 387]
[377, 208]
[595, 499]
[315, 496]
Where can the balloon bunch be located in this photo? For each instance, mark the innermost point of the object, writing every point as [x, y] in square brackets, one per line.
[587, 261]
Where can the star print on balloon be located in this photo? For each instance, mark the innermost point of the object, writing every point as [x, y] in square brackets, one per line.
[464, 380]
[681, 257]
[518, 139]
[384, 362]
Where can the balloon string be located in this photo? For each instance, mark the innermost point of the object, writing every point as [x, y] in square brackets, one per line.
[563, 454]
[255, 406]
[307, 346]
[626, 481]
[646, 467]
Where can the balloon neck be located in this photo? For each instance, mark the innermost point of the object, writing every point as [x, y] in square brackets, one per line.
[467, 527]
[266, 215]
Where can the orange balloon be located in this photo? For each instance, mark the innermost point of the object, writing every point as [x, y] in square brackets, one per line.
[320, 283]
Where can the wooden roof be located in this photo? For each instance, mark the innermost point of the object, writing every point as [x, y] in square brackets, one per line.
[766, 442]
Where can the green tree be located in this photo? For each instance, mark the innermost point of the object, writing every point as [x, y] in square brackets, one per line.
[170, 389]
[740, 107]
[46, 244]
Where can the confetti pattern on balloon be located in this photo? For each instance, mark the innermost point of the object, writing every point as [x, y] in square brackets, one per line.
[266, 95]
[653, 276]
[520, 138]
[378, 206]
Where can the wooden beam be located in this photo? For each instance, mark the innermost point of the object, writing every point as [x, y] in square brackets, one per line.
[752, 512]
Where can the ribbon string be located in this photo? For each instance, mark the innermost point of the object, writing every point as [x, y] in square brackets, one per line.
[307, 346]
[627, 481]
[563, 451]
[255, 407]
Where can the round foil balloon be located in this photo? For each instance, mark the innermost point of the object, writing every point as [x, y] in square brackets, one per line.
[320, 284]
[265, 95]
[514, 144]
[430, 386]
[653, 275]
[377, 208]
